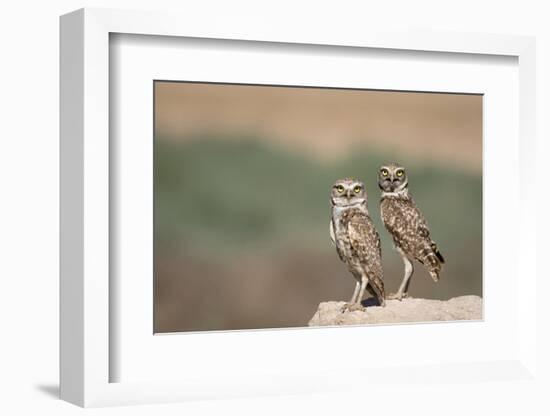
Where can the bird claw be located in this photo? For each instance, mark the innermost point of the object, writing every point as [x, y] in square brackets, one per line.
[351, 307]
[398, 296]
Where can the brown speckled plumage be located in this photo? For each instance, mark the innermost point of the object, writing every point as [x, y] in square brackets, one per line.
[357, 241]
[406, 224]
[410, 232]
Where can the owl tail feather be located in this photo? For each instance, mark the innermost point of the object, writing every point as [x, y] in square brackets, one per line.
[434, 265]
[432, 259]
[377, 286]
[438, 253]
[435, 275]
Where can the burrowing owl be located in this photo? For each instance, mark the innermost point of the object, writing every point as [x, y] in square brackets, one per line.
[407, 226]
[357, 241]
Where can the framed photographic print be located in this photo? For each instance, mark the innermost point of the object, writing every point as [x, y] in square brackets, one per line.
[239, 211]
[242, 175]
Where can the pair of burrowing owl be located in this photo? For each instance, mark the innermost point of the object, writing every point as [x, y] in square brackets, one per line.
[358, 243]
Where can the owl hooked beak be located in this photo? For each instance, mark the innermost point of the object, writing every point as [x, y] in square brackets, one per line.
[386, 185]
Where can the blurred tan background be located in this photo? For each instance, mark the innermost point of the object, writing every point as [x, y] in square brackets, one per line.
[242, 178]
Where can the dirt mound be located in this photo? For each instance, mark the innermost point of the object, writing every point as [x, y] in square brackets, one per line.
[408, 310]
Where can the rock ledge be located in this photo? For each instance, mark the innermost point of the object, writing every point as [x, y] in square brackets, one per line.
[407, 310]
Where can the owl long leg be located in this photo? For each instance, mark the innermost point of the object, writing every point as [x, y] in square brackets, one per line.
[409, 269]
[355, 293]
[364, 282]
[355, 302]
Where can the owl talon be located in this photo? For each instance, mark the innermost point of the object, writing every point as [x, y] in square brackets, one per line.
[398, 296]
[351, 307]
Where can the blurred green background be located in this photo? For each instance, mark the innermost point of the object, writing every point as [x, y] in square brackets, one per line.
[242, 182]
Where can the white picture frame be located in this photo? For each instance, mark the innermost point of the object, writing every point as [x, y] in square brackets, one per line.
[87, 301]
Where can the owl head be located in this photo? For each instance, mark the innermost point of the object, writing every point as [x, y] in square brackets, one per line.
[392, 178]
[348, 192]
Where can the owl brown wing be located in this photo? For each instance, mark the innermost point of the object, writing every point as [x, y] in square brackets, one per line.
[333, 241]
[410, 232]
[365, 243]
[405, 223]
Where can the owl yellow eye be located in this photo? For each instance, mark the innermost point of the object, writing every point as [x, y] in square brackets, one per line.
[385, 172]
[399, 173]
[357, 189]
[340, 188]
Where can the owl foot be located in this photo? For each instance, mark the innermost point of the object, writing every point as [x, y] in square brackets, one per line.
[351, 307]
[398, 296]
